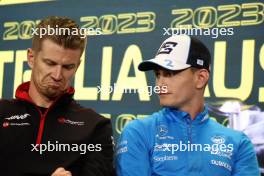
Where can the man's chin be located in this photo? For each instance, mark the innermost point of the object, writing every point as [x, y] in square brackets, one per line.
[167, 105]
[53, 94]
[165, 102]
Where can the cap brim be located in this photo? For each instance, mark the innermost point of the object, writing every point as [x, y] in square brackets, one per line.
[153, 64]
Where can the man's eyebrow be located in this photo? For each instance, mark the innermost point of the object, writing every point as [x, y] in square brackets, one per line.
[47, 59]
[54, 62]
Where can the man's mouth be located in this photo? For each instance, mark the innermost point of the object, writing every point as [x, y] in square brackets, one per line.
[54, 85]
[164, 93]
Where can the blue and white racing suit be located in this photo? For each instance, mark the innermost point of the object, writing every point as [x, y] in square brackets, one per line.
[170, 143]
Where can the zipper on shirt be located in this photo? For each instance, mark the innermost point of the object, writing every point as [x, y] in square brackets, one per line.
[42, 119]
[41, 125]
[189, 130]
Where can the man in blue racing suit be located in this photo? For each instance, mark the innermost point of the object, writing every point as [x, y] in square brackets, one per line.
[180, 139]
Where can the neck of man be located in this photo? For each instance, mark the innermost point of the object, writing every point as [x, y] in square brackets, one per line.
[194, 107]
[38, 98]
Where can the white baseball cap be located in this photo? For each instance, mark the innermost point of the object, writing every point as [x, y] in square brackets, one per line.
[179, 52]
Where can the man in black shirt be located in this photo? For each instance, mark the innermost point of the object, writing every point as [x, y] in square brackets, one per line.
[44, 130]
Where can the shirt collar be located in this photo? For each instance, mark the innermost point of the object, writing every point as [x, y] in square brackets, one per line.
[175, 115]
[22, 92]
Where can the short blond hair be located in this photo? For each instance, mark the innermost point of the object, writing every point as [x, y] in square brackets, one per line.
[66, 41]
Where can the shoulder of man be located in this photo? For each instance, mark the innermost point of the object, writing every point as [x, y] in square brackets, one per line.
[7, 102]
[87, 114]
[141, 130]
[228, 132]
[238, 139]
[7, 106]
[147, 123]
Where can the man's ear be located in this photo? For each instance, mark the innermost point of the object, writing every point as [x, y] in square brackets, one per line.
[30, 57]
[202, 78]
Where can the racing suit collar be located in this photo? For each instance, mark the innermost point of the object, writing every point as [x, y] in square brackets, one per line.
[22, 92]
[175, 115]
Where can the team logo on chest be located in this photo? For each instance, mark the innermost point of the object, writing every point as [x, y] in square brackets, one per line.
[162, 130]
[220, 148]
[63, 120]
[9, 121]
[18, 117]
[218, 139]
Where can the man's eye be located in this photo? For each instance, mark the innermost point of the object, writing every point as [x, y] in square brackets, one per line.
[157, 74]
[50, 63]
[167, 74]
[69, 67]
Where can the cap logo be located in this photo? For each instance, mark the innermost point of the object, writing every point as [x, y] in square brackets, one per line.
[166, 48]
[200, 62]
[168, 63]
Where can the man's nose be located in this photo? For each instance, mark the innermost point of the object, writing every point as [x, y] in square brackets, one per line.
[160, 81]
[57, 73]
